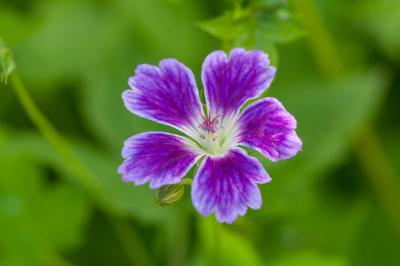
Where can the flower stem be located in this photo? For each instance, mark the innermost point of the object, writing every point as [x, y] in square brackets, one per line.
[177, 230]
[186, 181]
[381, 174]
[217, 240]
[369, 149]
[323, 47]
[128, 237]
[53, 137]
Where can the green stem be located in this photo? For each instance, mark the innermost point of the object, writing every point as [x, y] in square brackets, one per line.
[178, 238]
[217, 241]
[381, 174]
[61, 146]
[369, 149]
[81, 171]
[186, 181]
[325, 52]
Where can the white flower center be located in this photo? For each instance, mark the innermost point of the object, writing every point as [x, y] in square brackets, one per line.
[215, 135]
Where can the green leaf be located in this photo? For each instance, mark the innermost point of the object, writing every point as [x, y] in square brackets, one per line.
[38, 220]
[278, 25]
[62, 47]
[118, 196]
[329, 115]
[279, 31]
[99, 49]
[102, 103]
[380, 20]
[268, 46]
[228, 26]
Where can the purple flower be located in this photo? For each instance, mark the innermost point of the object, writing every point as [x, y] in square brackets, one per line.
[226, 181]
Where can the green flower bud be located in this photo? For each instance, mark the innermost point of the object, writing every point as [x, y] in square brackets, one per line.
[7, 64]
[171, 194]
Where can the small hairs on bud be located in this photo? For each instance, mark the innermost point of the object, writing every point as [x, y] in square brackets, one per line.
[7, 64]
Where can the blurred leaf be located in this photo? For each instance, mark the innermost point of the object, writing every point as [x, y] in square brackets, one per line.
[270, 4]
[267, 45]
[90, 48]
[329, 115]
[15, 26]
[37, 221]
[279, 31]
[277, 23]
[97, 46]
[102, 101]
[378, 243]
[309, 258]
[230, 25]
[392, 146]
[224, 246]
[72, 31]
[121, 197]
[67, 33]
[260, 25]
[126, 198]
[381, 20]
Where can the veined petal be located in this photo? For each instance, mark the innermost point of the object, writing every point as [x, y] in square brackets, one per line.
[165, 94]
[156, 157]
[267, 127]
[228, 185]
[230, 82]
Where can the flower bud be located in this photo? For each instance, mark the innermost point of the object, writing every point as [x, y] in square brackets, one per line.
[171, 194]
[6, 62]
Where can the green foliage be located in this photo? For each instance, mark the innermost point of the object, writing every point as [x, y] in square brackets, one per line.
[225, 247]
[340, 110]
[34, 212]
[260, 25]
[380, 20]
[368, 248]
[75, 58]
[230, 25]
[118, 196]
[309, 258]
[121, 197]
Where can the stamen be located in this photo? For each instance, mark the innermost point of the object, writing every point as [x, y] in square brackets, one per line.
[209, 125]
[216, 135]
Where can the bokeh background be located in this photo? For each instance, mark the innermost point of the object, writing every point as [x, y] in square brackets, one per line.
[61, 201]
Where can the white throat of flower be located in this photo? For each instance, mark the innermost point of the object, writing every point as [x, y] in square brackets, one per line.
[214, 136]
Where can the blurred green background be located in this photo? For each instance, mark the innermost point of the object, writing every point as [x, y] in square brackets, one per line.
[61, 201]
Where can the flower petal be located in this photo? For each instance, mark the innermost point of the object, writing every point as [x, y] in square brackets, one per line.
[230, 82]
[267, 127]
[158, 157]
[165, 94]
[228, 185]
